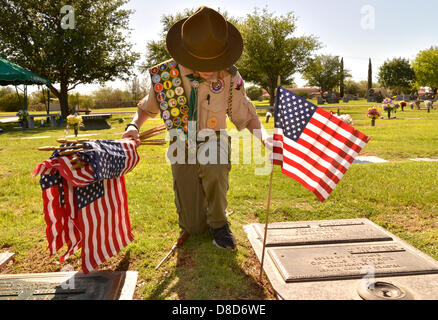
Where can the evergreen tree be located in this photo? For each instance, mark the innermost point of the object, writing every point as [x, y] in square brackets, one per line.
[341, 84]
[370, 75]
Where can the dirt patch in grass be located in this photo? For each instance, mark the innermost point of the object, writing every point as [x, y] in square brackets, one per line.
[258, 290]
[36, 260]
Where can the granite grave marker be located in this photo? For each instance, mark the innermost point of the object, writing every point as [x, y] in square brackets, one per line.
[343, 259]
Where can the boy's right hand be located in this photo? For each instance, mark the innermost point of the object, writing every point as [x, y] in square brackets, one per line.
[132, 133]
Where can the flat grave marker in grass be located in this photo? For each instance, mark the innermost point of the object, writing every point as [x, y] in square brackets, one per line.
[316, 232]
[5, 257]
[102, 285]
[343, 260]
[369, 159]
[425, 159]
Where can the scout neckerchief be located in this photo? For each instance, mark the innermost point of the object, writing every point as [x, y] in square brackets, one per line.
[193, 102]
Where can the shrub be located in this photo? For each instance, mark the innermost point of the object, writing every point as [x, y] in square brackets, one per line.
[303, 94]
[10, 103]
[37, 107]
[254, 93]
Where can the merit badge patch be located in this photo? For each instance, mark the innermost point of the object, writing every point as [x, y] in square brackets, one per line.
[166, 114]
[174, 73]
[158, 87]
[179, 91]
[164, 105]
[156, 78]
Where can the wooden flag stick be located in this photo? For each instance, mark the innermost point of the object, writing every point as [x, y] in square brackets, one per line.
[150, 135]
[72, 141]
[269, 206]
[151, 132]
[266, 223]
[52, 148]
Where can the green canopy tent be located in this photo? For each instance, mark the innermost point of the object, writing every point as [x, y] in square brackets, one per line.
[12, 74]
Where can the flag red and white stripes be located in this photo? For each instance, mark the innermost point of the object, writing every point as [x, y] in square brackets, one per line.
[312, 146]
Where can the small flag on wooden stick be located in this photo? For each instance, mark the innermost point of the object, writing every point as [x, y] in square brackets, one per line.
[313, 146]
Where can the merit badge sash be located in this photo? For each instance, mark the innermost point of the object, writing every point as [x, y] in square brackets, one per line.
[169, 91]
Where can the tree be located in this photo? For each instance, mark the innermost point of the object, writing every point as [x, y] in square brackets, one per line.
[370, 75]
[94, 50]
[134, 88]
[351, 87]
[425, 67]
[397, 75]
[324, 73]
[272, 50]
[341, 81]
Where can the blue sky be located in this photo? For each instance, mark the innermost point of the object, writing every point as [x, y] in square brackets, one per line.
[401, 28]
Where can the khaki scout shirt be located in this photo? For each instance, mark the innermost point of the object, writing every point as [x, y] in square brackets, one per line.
[211, 112]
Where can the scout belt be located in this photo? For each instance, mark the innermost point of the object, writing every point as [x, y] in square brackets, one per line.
[171, 97]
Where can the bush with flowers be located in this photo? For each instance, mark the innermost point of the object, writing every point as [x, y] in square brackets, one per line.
[74, 121]
[373, 113]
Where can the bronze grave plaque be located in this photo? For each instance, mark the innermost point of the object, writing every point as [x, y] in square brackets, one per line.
[102, 285]
[348, 261]
[320, 232]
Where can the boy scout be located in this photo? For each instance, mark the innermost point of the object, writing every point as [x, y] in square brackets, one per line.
[200, 85]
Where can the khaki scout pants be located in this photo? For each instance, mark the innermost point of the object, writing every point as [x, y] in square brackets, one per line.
[200, 193]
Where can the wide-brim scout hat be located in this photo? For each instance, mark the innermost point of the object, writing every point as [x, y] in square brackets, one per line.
[205, 41]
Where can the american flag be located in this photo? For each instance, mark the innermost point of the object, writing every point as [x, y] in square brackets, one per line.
[87, 208]
[313, 146]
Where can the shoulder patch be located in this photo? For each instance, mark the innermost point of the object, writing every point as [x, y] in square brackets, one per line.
[239, 82]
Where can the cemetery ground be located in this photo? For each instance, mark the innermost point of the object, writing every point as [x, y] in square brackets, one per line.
[400, 195]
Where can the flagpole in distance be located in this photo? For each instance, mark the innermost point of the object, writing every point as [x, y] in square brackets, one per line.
[269, 202]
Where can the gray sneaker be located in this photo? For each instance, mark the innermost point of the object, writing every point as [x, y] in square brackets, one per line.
[223, 238]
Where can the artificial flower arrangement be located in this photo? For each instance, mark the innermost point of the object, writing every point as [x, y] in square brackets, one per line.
[74, 121]
[403, 104]
[23, 116]
[345, 118]
[373, 113]
[389, 106]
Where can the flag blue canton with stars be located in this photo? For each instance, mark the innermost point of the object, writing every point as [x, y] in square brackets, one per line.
[50, 180]
[89, 194]
[292, 113]
[107, 158]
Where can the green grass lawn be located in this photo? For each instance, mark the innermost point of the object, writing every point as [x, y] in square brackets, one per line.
[400, 195]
